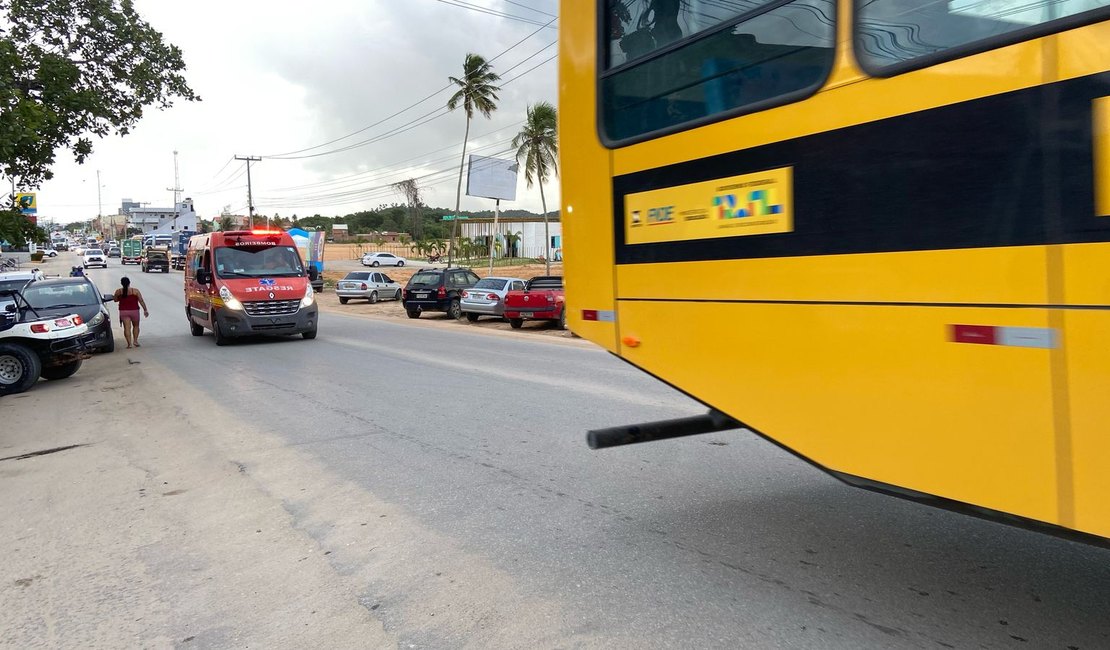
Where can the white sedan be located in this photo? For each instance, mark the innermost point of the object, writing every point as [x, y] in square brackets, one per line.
[93, 257]
[382, 259]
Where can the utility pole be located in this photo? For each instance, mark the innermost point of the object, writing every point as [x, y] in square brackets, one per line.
[99, 202]
[175, 189]
[250, 197]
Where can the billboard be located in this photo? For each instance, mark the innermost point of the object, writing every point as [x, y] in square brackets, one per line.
[492, 178]
[27, 202]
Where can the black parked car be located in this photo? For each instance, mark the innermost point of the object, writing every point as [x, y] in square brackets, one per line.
[437, 290]
[65, 296]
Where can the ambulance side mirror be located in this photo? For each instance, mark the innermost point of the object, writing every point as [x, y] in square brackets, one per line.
[203, 277]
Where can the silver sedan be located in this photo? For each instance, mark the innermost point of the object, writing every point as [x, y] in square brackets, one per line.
[487, 298]
[371, 285]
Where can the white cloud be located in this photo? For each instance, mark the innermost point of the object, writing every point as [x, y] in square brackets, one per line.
[276, 77]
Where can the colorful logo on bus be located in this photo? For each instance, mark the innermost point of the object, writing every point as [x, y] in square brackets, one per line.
[758, 203]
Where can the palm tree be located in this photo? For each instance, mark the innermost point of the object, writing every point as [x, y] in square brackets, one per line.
[476, 92]
[537, 148]
[511, 240]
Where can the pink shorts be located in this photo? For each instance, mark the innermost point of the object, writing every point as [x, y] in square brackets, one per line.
[129, 315]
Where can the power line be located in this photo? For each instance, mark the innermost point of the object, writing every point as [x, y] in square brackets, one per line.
[486, 10]
[367, 193]
[539, 11]
[387, 170]
[289, 154]
[430, 116]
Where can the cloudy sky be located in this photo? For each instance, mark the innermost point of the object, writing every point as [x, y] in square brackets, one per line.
[284, 77]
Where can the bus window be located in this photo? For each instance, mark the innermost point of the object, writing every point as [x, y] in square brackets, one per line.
[640, 27]
[890, 33]
[728, 61]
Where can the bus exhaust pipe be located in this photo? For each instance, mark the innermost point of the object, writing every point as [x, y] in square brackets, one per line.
[661, 430]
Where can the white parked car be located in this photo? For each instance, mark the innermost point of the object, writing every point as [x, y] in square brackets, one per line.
[382, 259]
[372, 285]
[10, 283]
[94, 257]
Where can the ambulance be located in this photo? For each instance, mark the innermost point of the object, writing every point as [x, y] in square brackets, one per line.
[247, 283]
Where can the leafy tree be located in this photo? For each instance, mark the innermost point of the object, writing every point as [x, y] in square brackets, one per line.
[537, 148]
[391, 223]
[226, 223]
[410, 189]
[73, 69]
[17, 230]
[476, 92]
[316, 222]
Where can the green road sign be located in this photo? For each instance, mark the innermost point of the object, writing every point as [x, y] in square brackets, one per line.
[452, 217]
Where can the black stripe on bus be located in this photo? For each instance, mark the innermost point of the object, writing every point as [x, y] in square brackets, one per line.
[1015, 169]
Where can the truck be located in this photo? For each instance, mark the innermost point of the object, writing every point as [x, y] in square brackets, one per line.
[131, 251]
[156, 258]
[178, 249]
[542, 299]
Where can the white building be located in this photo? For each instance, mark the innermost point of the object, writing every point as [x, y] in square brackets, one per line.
[529, 230]
[161, 221]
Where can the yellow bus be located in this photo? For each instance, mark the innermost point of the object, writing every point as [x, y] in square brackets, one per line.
[875, 233]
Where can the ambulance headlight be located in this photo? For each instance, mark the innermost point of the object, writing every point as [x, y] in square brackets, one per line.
[230, 301]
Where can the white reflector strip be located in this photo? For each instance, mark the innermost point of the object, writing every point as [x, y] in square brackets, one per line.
[1027, 337]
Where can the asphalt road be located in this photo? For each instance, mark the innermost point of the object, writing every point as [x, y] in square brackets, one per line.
[506, 531]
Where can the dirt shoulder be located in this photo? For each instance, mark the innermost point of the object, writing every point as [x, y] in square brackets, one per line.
[145, 527]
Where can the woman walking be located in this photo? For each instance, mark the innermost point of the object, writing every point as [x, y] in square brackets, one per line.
[129, 302]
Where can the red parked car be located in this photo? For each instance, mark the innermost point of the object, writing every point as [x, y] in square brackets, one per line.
[542, 299]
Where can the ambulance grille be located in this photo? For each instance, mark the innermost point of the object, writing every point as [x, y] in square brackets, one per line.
[271, 307]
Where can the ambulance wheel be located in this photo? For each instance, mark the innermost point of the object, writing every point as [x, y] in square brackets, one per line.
[221, 338]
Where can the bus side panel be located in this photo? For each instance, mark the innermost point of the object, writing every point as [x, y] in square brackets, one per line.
[1086, 332]
[1083, 51]
[1003, 275]
[1087, 348]
[881, 392]
[586, 211]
